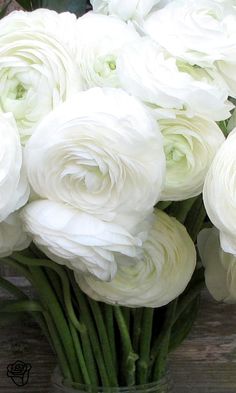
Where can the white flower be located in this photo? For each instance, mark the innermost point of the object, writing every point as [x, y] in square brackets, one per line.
[100, 40]
[219, 193]
[12, 236]
[220, 267]
[76, 239]
[190, 145]
[168, 262]
[131, 9]
[14, 188]
[37, 69]
[201, 32]
[226, 69]
[148, 72]
[100, 152]
[198, 31]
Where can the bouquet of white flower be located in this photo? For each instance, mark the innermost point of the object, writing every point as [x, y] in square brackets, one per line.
[113, 125]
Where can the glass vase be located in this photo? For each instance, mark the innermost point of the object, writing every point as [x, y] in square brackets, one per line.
[162, 386]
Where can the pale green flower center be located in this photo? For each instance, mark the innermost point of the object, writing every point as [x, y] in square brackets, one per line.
[20, 91]
[174, 153]
[106, 65]
[112, 65]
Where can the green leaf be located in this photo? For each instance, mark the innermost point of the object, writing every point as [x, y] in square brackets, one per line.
[78, 7]
[4, 8]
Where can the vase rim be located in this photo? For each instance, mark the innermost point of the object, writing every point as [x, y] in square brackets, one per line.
[59, 381]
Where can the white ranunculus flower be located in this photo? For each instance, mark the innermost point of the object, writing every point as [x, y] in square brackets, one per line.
[220, 267]
[190, 145]
[198, 31]
[12, 236]
[219, 193]
[126, 10]
[150, 73]
[37, 68]
[163, 272]
[100, 152]
[100, 41]
[14, 188]
[78, 240]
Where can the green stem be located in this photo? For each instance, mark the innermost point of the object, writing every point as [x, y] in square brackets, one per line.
[21, 306]
[160, 348]
[105, 344]
[126, 314]
[65, 282]
[145, 343]
[195, 218]
[181, 209]
[11, 288]
[88, 320]
[130, 357]
[109, 322]
[21, 269]
[80, 356]
[36, 276]
[43, 326]
[31, 306]
[21, 295]
[51, 303]
[163, 205]
[137, 316]
[56, 284]
[58, 347]
[188, 298]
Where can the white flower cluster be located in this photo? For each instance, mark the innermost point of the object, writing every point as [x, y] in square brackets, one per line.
[104, 116]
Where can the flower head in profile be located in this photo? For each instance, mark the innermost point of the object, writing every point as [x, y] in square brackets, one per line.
[155, 279]
[160, 80]
[220, 267]
[219, 193]
[79, 240]
[14, 187]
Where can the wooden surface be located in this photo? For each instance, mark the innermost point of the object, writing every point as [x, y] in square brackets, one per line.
[206, 361]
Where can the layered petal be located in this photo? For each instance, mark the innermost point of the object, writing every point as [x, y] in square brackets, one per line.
[190, 145]
[149, 72]
[220, 267]
[100, 40]
[219, 193]
[198, 31]
[37, 67]
[155, 279]
[14, 187]
[76, 239]
[101, 152]
[127, 10]
[12, 236]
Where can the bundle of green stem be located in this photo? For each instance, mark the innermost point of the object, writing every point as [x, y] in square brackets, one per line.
[98, 344]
